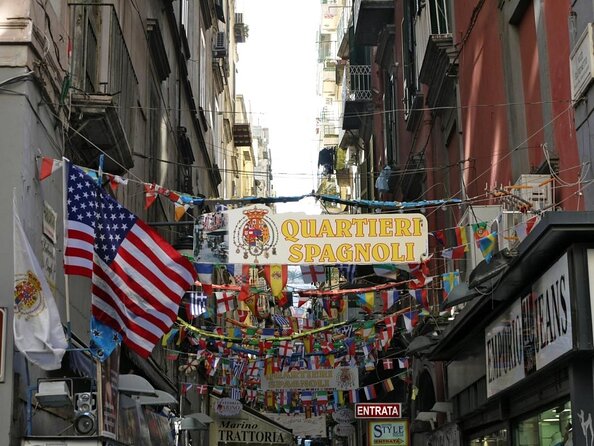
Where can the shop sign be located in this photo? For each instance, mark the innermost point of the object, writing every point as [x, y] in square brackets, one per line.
[377, 410]
[250, 431]
[340, 378]
[258, 236]
[50, 222]
[534, 331]
[382, 433]
[344, 430]
[228, 407]
[344, 415]
[582, 63]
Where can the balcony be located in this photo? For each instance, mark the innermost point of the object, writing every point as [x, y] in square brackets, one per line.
[97, 129]
[439, 68]
[342, 32]
[106, 86]
[241, 30]
[370, 17]
[356, 95]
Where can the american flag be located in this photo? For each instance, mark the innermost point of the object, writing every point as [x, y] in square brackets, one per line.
[138, 278]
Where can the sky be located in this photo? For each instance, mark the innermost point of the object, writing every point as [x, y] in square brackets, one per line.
[277, 74]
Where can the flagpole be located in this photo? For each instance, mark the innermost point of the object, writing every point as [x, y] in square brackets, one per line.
[65, 164]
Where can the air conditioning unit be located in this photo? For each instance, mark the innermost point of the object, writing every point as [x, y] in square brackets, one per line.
[219, 46]
[536, 190]
[85, 413]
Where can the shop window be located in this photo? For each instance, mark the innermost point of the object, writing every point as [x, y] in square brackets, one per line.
[498, 438]
[548, 428]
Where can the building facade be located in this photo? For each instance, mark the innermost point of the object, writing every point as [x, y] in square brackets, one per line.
[486, 102]
[150, 86]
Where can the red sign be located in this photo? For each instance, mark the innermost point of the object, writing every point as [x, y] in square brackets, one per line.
[377, 410]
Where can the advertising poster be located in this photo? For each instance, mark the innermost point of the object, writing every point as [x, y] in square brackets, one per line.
[108, 372]
[393, 432]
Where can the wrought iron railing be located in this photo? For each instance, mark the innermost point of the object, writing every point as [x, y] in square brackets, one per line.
[357, 83]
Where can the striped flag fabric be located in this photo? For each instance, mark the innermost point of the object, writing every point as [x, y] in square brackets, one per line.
[524, 228]
[411, 319]
[403, 363]
[455, 253]
[346, 330]
[348, 272]
[276, 277]
[306, 397]
[322, 397]
[196, 305]
[370, 392]
[354, 396]
[421, 296]
[388, 385]
[389, 298]
[204, 271]
[235, 394]
[387, 270]
[138, 279]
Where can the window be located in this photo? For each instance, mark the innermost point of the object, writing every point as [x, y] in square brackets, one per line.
[498, 438]
[439, 16]
[548, 428]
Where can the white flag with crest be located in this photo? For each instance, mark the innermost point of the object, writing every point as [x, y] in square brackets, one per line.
[38, 332]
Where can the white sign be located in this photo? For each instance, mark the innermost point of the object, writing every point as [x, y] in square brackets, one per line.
[344, 415]
[341, 378]
[257, 236]
[532, 333]
[302, 427]
[394, 432]
[248, 428]
[50, 219]
[228, 407]
[582, 63]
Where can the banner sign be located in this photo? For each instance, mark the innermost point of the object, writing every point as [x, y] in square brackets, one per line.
[228, 407]
[377, 410]
[382, 433]
[533, 332]
[312, 427]
[257, 236]
[340, 378]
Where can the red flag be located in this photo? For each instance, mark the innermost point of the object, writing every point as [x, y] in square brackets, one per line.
[388, 364]
[455, 253]
[150, 195]
[138, 278]
[242, 314]
[48, 166]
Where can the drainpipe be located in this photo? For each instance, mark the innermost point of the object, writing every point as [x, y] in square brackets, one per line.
[462, 161]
